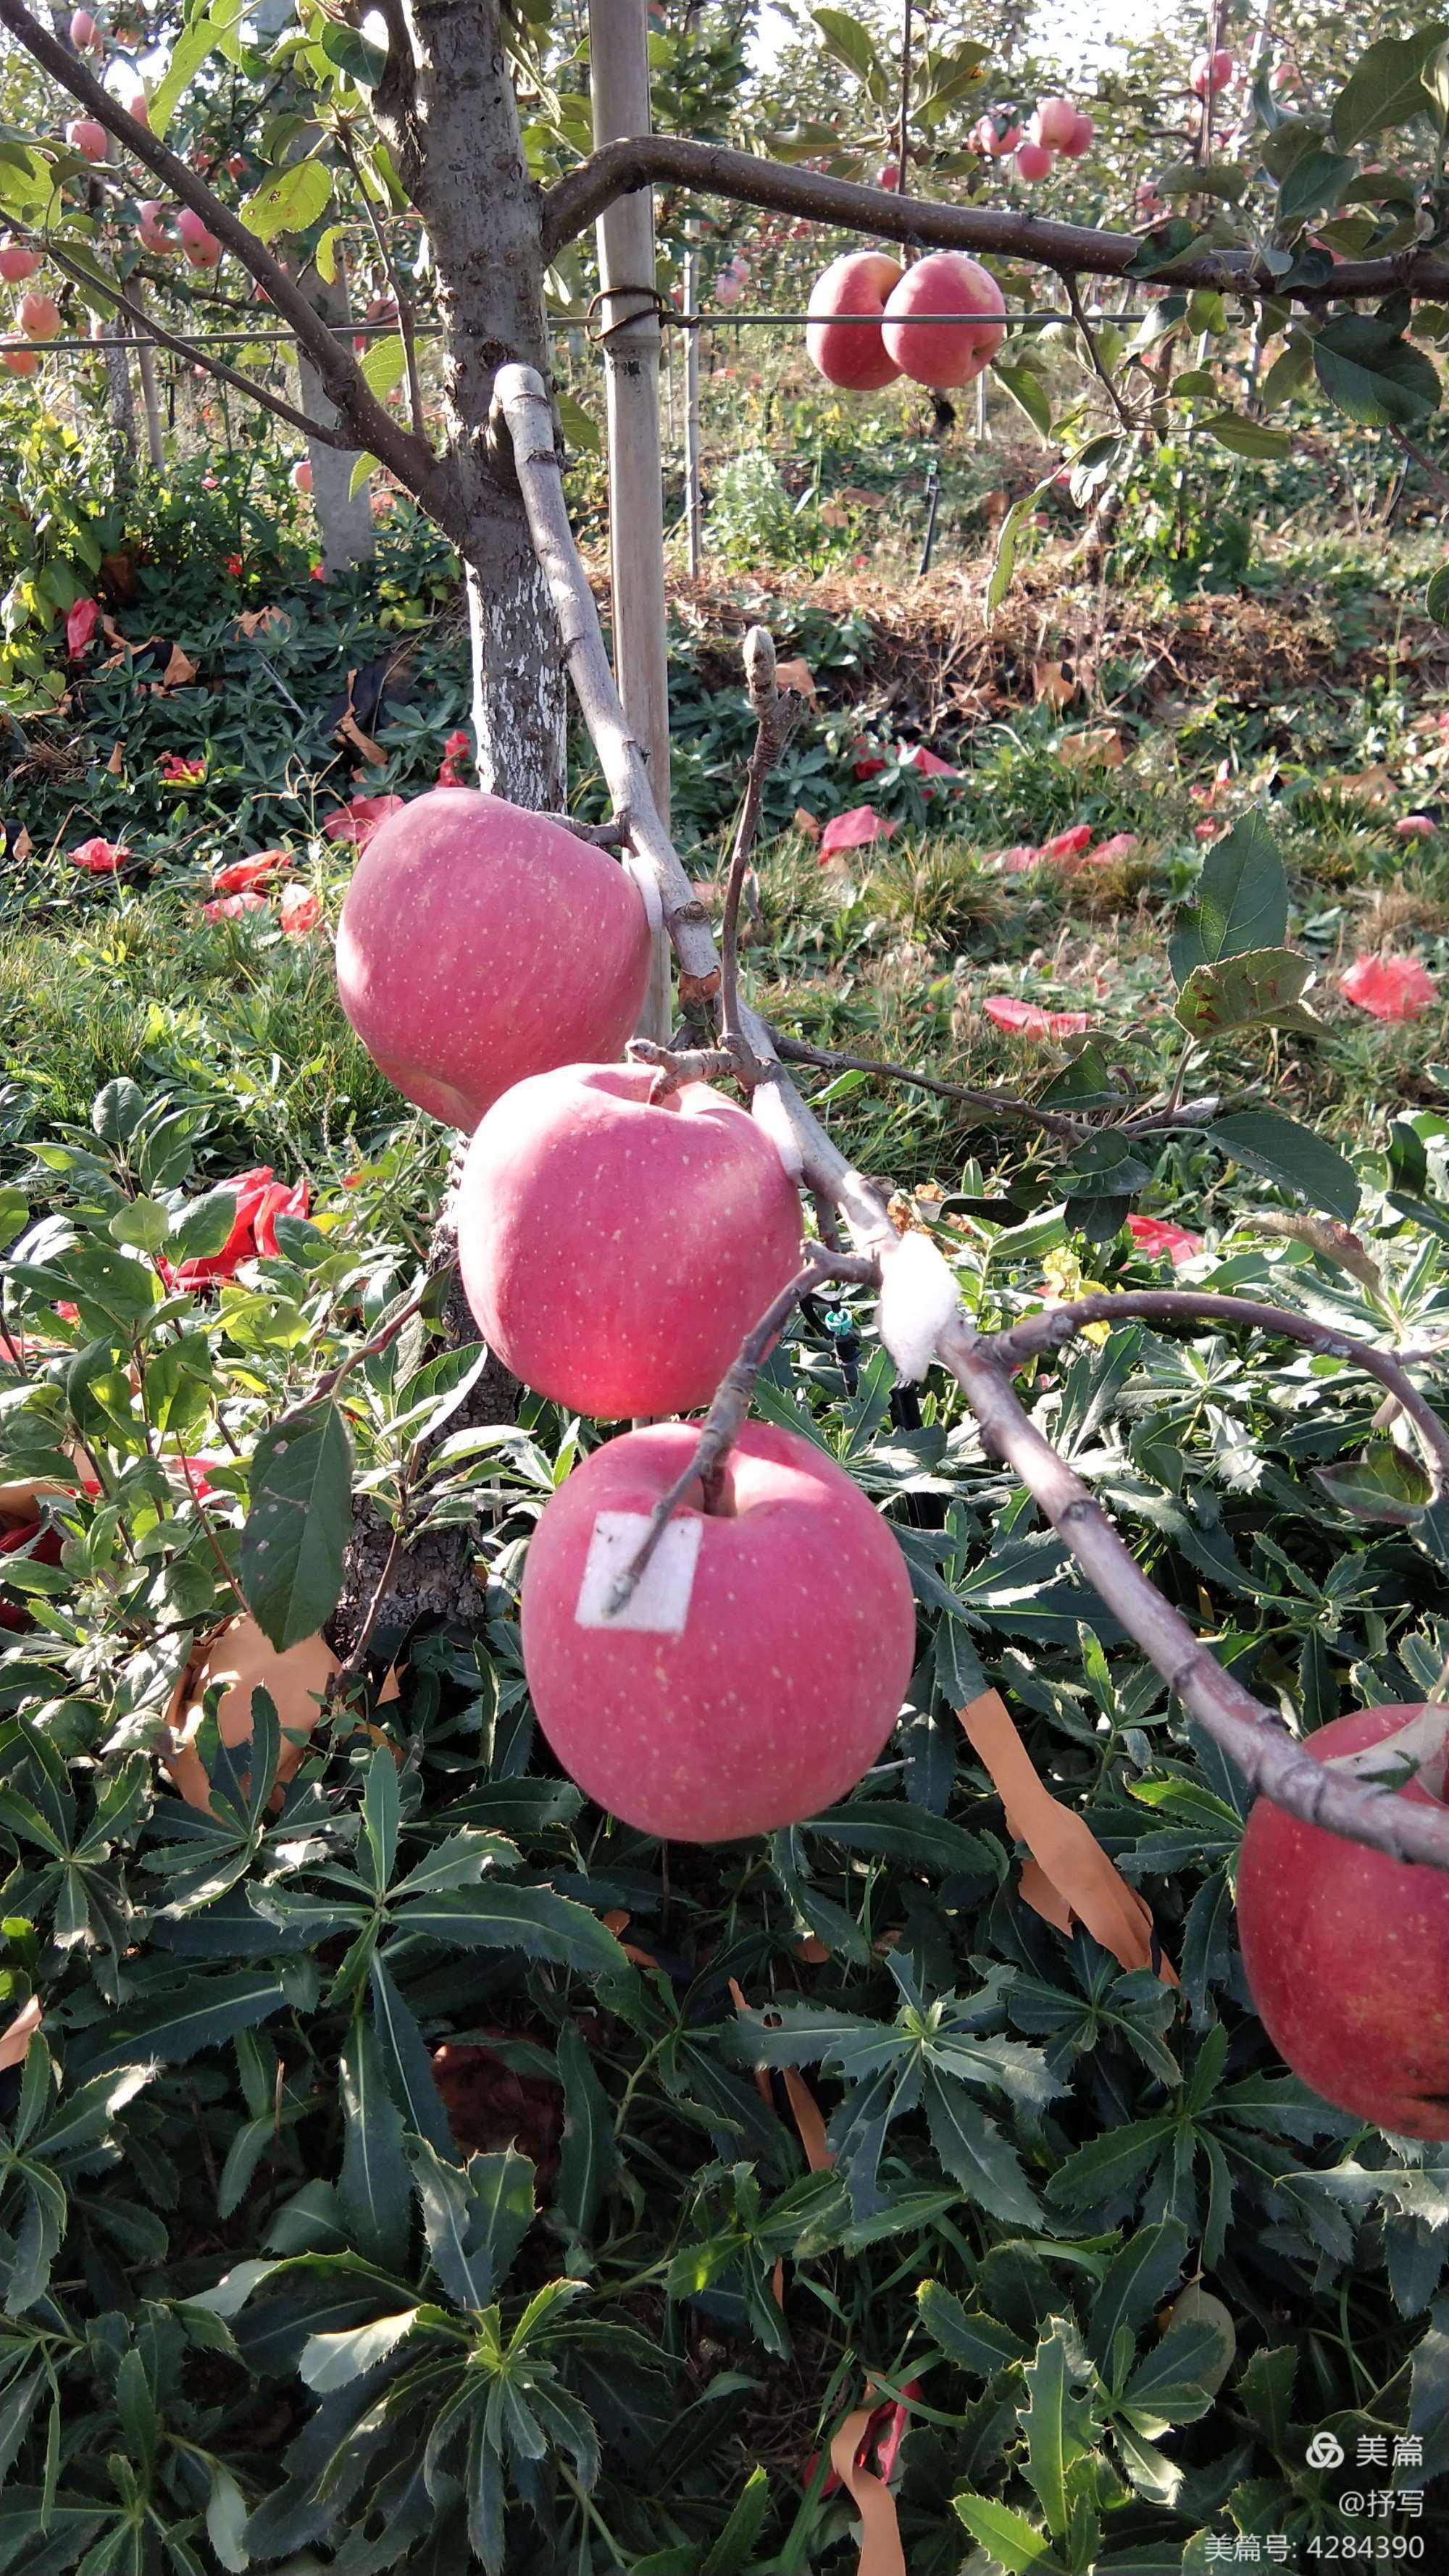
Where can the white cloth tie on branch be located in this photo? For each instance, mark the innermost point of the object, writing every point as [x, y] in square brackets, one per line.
[918, 1298]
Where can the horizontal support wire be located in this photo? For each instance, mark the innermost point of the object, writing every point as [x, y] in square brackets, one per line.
[562, 321]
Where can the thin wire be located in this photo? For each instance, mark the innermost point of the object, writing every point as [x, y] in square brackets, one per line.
[679, 321]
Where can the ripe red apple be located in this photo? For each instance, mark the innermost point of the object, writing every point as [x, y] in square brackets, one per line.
[889, 176]
[1053, 123]
[479, 944]
[943, 353]
[17, 261]
[20, 362]
[85, 35]
[616, 1250]
[852, 355]
[1346, 1951]
[1212, 72]
[152, 226]
[301, 476]
[39, 316]
[85, 136]
[759, 1666]
[1082, 136]
[1033, 160]
[140, 108]
[201, 247]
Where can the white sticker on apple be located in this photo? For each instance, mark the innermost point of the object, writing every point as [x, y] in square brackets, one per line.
[659, 1601]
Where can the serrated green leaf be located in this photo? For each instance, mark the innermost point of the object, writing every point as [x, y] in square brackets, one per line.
[1259, 988]
[1385, 87]
[296, 1532]
[1292, 1156]
[289, 201]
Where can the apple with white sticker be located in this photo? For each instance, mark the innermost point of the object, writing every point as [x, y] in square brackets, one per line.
[757, 1667]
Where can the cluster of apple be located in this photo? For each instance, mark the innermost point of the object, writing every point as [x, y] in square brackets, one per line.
[871, 320]
[732, 280]
[616, 1250]
[1056, 125]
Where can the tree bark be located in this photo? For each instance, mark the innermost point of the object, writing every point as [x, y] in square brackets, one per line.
[451, 120]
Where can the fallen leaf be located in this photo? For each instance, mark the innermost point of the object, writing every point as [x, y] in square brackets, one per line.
[351, 731]
[1069, 1876]
[1097, 747]
[117, 760]
[1375, 785]
[1052, 685]
[808, 825]
[796, 675]
[23, 844]
[855, 497]
[179, 670]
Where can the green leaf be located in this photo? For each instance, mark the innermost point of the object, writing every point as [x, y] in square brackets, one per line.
[1006, 544]
[969, 2337]
[580, 429]
[1009, 2540]
[733, 2553]
[1279, 1150]
[1385, 1483]
[290, 200]
[848, 41]
[902, 1833]
[1436, 597]
[1027, 390]
[363, 466]
[1385, 87]
[199, 2013]
[324, 257]
[1247, 437]
[586, 2156]
[475, 2217]
[536, 1920]
[1242, 901]
[190, 50]
[373, 2186]
[296, 1532]
[1313, 186]
[1135, 2282]
[1373, 374]
[1170, 2383]
[384, 365]
[1057, 2420]
[226, 2521]
[330, 2361]
[1262, 988]
[973, 2151]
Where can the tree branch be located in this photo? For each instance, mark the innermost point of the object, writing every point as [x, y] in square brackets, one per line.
[730, 1405]
[1094, 354]
[1251, 1735]
[1059, 1324]
[714, 170]
[196, 355]
[775, 713]
[341, 378]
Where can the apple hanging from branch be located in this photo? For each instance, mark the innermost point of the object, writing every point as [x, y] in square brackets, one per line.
[616, 1248]
[479, 944]
[1346, 1949]
[760, 1663]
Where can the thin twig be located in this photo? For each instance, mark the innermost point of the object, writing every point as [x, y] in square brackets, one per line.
[992, 1104]
[213, 1541]
[1094, 354]
[903, 145]
[775, 713]
[1048, 1331]
[674, 1066]
[195, 354]
[346, 1674]
[730, 1406]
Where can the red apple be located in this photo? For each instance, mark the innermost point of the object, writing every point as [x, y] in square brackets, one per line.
[85, 35]
[152, 227]
[301, 476]
[86, 137]
[201, 247]
[1053, 124]
[616, 1250]
[1082, 135]
[479, 944]
[140, 108]
[1212, 72]
[1033, 160]
[1346, 1951]
[943, 353]
[852, 355]
[17, 261]
[39, 316]
[759, 1666]
[20, 362]
[890, 176]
